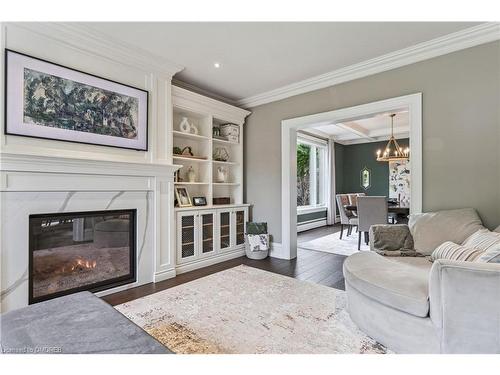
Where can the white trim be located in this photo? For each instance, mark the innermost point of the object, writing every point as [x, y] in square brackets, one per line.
[55, 164]
[221, 257]
[188, 100]
[310, 209]
[164, 275]
[375, 139]
[311, 225]
[85, 39]
[289, 130]
[200, 91]
[276, 250]
[470, 37]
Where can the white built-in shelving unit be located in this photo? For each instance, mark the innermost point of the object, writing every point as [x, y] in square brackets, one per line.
[205, 113]
[211, 233]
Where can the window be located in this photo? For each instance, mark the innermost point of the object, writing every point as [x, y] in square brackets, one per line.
[311, 172]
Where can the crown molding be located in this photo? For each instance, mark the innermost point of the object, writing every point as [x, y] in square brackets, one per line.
[189, 100]
[470, 37]
[83, 38]
[198, 90]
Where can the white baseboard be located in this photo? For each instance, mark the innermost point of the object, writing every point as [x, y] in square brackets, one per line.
[277, 251]
[311, 225]
[164, 275]
[182, 268]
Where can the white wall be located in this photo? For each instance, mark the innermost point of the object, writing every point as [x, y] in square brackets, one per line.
[75, 48]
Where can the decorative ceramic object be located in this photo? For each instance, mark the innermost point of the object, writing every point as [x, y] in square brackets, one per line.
[231, 132]
[216, 131]
[221, 174]
[191, 175]
[221, 154]
[184, 125]
[193, 129]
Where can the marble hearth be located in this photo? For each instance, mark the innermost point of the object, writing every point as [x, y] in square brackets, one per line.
[39, 185]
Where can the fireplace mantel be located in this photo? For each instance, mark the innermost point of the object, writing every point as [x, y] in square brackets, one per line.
[32, 184]
[54, 164]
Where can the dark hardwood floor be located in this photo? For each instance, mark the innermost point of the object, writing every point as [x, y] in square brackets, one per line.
[314, 266]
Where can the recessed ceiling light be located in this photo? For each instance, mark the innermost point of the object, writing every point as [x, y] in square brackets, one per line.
[216, 65]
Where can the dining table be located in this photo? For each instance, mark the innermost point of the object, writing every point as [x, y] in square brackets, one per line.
[403, 210]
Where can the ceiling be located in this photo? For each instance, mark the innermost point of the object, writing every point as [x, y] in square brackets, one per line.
[372, 129]
[259, 57]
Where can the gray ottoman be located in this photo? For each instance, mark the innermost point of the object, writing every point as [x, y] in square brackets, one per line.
[78, 323]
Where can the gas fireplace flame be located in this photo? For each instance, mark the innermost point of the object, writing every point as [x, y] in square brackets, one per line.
[78, 264]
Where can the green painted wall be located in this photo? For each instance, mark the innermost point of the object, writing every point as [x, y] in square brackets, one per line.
[353, 158]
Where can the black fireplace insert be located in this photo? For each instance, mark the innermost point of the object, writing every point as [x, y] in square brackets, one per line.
[75, 251]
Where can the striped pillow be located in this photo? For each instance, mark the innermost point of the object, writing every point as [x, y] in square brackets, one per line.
[491, 255]
[482, 240]
[452, 251]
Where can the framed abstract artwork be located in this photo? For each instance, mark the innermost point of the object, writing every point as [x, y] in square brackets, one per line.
[50, 101]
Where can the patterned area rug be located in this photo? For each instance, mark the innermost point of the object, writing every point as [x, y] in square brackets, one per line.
[246, 310]
[332, 243]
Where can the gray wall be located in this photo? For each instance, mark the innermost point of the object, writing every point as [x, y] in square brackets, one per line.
[461, 131]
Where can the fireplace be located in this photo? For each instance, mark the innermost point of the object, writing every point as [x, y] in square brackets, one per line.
[76, 251]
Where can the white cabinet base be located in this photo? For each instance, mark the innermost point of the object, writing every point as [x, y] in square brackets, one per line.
[227, 235]
[182, 268]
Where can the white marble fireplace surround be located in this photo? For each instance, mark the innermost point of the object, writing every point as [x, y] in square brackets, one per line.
[41, 184]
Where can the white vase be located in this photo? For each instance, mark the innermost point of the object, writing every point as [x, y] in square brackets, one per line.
[191, 175]
[221, 174]
[184, 125]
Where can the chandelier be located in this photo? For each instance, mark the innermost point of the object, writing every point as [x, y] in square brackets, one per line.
[393, 151]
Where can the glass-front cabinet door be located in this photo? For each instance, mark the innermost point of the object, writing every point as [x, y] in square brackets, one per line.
[186, 236]
[207, 232]
[224, 230]
[240, 224]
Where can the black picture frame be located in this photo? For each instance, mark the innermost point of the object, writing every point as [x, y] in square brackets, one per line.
[199, 201]
[7, 84]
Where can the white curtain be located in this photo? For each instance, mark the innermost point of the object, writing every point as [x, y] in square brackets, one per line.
[330, 183]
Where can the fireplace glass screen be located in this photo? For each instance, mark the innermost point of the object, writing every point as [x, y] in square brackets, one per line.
[71, 252]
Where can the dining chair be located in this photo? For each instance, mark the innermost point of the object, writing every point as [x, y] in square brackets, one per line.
[346, 216]
[371, 211]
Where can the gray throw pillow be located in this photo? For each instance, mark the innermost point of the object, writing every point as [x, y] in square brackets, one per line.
[431, 229]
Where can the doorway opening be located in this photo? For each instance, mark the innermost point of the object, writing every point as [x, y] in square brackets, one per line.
[314, 191]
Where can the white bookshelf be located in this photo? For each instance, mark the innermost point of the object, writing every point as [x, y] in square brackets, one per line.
[205, 113]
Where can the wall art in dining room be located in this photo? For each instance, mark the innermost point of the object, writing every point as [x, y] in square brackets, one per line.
[47, 100]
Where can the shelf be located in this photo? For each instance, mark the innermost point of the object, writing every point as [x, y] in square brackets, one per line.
[191, 183]
[225, 183]
[183, 158]
[225, 162]
[215, 140]
[180, 134]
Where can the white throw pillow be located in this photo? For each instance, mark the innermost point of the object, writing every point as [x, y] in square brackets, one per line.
[452, 251]
[431, 229]
[482, 240]
[492, 255]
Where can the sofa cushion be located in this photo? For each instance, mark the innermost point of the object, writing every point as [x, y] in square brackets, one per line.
[452, 251]
[394, 284]
[482, 240]
[497, 229]
[431, 229]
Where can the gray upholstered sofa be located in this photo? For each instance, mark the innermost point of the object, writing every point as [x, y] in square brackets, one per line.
[412, 305]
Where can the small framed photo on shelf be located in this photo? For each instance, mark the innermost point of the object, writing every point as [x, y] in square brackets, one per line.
[199, 201]
[182, 195]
